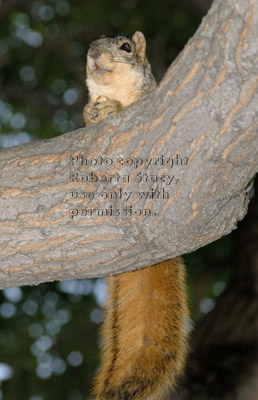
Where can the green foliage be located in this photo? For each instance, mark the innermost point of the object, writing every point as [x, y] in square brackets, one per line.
[208, 273]
[48, 333]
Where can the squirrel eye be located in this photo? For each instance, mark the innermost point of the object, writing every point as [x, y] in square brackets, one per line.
[126, 47]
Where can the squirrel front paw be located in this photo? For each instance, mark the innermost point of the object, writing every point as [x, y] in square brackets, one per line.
[100, 109]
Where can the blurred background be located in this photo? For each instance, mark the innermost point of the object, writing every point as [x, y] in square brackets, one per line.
[49, 333]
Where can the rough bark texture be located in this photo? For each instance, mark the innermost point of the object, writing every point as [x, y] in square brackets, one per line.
[205, 109]
[224, 352]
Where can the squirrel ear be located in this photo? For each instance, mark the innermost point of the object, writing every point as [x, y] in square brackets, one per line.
[140, 46]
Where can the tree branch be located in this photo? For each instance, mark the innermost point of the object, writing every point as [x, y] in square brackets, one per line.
[204, 113]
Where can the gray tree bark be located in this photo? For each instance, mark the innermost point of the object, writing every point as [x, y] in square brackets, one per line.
[202, 116]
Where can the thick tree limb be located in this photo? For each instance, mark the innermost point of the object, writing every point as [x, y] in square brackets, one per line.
[205, 109]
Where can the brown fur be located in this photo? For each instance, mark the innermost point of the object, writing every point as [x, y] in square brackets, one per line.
[144, 332]
[116, 76]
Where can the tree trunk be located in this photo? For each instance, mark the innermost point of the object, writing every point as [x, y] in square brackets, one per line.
[59, 219]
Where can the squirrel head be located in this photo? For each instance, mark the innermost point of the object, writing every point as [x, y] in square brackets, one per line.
[117, 67]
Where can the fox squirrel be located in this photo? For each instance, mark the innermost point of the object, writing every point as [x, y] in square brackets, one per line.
[144, 331]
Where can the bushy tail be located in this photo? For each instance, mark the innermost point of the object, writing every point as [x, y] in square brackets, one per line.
[144, 333]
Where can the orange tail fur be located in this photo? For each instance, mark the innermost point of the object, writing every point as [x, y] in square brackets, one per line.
[144, 333]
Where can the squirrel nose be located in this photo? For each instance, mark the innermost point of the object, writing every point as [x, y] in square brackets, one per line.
[94, 53]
